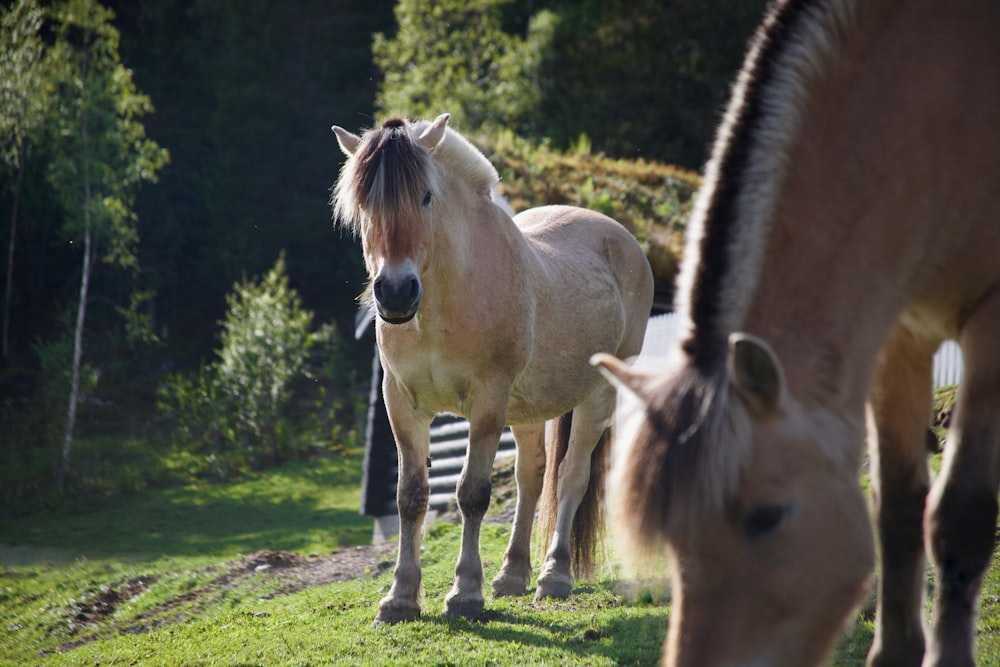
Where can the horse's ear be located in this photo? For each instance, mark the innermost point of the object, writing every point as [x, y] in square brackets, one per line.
[621, 375]
[755, 371]
[432, 136]
[348, 142]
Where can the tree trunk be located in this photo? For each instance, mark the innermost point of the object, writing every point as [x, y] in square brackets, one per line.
[8, 289]
[81, 311]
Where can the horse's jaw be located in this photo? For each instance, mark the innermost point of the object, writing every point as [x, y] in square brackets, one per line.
[395, 318]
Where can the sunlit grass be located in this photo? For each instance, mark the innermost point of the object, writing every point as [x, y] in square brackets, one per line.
[169, 554]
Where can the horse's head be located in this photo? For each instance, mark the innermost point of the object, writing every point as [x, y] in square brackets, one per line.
[385, 192]
[766, 526]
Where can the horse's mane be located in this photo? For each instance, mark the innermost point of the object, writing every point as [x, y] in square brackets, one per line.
[695, 437]
[390, 173]
[731, 222]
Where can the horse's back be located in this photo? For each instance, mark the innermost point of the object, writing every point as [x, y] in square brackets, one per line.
[571, 236]
[950, 175]
[591, 254]
[593, 291]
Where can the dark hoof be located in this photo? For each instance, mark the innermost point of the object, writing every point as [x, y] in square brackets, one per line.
[464, 606]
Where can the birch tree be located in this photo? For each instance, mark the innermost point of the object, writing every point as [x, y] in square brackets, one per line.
[104, 155]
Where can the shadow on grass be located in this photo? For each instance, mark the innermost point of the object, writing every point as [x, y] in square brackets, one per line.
[297, 507]
[635, 639]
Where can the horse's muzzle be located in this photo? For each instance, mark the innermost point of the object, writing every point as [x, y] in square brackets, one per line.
[397, 297]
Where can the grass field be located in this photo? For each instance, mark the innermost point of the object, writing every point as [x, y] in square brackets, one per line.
[162, 579]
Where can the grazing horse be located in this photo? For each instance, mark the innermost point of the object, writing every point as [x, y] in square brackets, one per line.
[494, 319]
[848, 223]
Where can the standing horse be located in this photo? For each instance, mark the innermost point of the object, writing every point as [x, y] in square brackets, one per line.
[494, 319]
[848, 223]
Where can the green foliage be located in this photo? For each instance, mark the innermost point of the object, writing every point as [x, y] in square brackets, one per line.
[638, 77]
[455, 56]
[100, 148]
[234, 413]
[22, 94]
[265, 342]
[642, 77]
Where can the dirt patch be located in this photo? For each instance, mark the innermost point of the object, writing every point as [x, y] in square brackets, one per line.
[106, 600]
[300, 572]
[291, 572]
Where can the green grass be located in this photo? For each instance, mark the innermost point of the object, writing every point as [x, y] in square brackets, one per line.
[301, 507]
[167, 560]
[160, 546]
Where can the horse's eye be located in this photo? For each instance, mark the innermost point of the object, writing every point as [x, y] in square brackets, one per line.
[427, 199]
[764, 519]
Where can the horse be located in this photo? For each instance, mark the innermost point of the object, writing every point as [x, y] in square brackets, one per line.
[848, 222]
[494, 319]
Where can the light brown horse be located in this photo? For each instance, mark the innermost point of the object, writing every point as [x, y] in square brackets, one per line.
[848, 223]
[494, 319]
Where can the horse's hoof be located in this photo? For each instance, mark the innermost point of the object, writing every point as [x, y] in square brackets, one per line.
[553, 586]
[392, 610]
[505, 584]
[468, 606]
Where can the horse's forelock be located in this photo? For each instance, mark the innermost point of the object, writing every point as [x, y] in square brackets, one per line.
[685, 459]
[383, 184]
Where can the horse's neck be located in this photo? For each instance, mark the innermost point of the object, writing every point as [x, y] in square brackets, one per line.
[846, 242]
[473, 255]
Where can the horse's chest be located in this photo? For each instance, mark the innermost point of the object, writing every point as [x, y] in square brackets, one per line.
[440, 377]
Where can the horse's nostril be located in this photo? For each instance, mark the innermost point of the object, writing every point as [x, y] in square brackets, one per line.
[414, 286]
[377, 288]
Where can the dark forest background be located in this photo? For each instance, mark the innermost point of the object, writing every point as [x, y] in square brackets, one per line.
[243, 94]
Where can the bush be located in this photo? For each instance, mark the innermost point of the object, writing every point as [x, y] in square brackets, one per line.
[233, 413]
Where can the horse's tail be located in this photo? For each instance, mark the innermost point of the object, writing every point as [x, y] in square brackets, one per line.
[588, 522]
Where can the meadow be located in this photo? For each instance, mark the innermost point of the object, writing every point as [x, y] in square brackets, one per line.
[215, 575]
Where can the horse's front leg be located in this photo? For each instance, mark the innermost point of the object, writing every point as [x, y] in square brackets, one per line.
[529, 471]
[412, 433]
[466, 596]
[900, 400]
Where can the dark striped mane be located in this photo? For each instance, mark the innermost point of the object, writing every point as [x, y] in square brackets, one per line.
[695, 431]
[730, 225]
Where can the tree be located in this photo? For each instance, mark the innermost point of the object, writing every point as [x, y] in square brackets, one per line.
[643, 77]
[455, 56]
[104, 154]
[22, 106]
[637, 77]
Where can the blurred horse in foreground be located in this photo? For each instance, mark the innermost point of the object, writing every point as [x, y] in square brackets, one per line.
[849, 222]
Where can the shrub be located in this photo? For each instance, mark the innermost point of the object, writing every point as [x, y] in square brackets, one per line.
[232, 413]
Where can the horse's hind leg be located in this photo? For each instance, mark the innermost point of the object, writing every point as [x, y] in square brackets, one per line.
[529, 470]
[412, 434]
[466, 596]
[590, 421]
[900, 407]
[963, 502]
